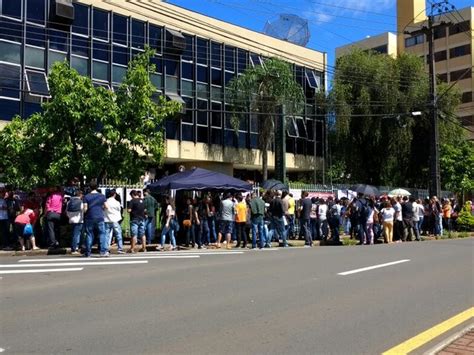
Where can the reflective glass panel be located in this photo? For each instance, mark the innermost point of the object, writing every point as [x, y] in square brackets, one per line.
[121, 55]
[81, 19]
[101, 51]
[100, 71]
[35, 11]
[11, 8]
[36, 36]
[120, 29]
[54, 57]
[11, 30]
[81, 65]
[34, 57]
[9, 109]
[80, 46]
[138, 34]
[118, 73]
[155, 37]
[58, 40]
[100, 20]
[10, 52]
[10, 78]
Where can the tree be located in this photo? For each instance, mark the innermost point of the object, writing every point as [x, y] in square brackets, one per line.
[262, 90]
[84, 130]
[457, 166]
[375, 135]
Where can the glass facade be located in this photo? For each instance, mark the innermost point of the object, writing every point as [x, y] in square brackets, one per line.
[100, 43]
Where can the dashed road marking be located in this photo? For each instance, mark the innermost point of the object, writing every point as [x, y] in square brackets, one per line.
[350, 272]
[107, 260]
[73, 263]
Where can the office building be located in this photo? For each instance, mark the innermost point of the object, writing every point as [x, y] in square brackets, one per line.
[196, 57]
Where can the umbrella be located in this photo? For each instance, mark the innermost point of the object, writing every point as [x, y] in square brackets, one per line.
[399, 192]
[367, 190]
[273, 184]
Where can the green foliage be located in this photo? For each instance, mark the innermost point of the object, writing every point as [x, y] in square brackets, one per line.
[375, 135]
[89, 131]
[465, 220]
[261, 90]
[457, 166]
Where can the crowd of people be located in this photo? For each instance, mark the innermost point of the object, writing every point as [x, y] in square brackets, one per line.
[229, 220]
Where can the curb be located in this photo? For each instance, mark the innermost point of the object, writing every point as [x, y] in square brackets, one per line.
[446, 342]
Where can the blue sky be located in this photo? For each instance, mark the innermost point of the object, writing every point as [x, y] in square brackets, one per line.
[332, 22]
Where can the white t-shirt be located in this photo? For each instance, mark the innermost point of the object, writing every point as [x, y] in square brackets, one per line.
[113, 212]
[388, 214]
[323, 210]
[170, 211]
[373, 211]
[398, 208]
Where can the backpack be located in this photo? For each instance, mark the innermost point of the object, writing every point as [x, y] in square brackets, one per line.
[74, 205]
[363, 212]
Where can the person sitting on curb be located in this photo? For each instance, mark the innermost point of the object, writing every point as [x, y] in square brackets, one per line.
[24, 223]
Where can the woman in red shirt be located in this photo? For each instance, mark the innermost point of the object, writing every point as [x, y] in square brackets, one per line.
[24, 223]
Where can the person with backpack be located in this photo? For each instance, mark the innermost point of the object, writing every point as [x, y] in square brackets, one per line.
[75, 214]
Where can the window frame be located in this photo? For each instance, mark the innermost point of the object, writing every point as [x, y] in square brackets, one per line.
[19, 19]
[28, 85]
[19, 83]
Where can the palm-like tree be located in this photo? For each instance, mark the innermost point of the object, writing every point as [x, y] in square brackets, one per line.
[262, 90]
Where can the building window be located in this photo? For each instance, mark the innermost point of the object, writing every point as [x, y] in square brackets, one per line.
[466, 97]
[10, 52]
[413, 41]
[100, 20]
[54, 57]
[241, 60]
[58, 40]
[458, 74]
[10, 78]
[187, 70]
[12, 31]
[256, 60]
[202, 74]
[36, 36]
[443, 77]
[138, 34]
[216, 55]
[187, 88]
[467, 120]
[100, 51]
[460, 51]
[80, 25]
[155, 37]
[118, 73]
[120, 55]
[381, 49]
[291, 128]
[439, 32]
[188, 53]
[438, 56]
[34, 57]
[81, 65]
[216, 123]
[11, 8]
[229, 59]
[100, 71]
[120, 30]
[9, 109]
[36, 11]
[460, 27]
[313, 80]
[202, 121]
[37, 83]
[202, 50]
[80, 46]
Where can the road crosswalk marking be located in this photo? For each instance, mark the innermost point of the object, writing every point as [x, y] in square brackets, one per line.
[109, 259]
[345, 273]
[73, 263]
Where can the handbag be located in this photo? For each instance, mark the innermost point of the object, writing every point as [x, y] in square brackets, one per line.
[187, 223]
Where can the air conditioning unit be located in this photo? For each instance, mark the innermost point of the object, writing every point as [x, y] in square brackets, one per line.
[175, 43]
[61, 12]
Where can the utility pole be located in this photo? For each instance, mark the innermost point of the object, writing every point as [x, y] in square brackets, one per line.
[428, 31]
[435, 179]
[280, 145]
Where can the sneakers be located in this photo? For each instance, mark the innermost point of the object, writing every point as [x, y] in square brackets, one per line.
[159, 248]
[120, 252]
[105, 255]
[75, 252]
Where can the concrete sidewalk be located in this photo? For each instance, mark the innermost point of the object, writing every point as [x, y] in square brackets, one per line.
[462, 345]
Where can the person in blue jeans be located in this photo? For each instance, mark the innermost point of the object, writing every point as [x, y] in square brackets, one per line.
[277, 219]
[257, 211]
[75, 213]
[137, 211]
[94, 205]
[170, 225]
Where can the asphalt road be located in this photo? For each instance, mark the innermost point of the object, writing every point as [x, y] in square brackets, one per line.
[287, 301]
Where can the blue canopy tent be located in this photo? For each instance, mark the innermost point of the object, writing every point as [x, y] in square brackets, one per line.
[199, 179]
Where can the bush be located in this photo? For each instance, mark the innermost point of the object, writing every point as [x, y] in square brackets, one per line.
[465, 221]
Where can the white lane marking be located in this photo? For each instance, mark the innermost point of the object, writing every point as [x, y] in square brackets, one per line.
[149, 255]
[77, 264]
[174, 253]
[2, 350]
[108, 260]
[40, 270]
[372, 267]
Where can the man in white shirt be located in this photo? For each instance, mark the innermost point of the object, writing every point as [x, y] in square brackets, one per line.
[112, 217]
[418, 214]
[322, 218]
[398, 225]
